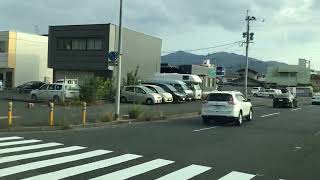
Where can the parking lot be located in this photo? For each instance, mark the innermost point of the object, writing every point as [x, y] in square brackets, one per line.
[39, 114]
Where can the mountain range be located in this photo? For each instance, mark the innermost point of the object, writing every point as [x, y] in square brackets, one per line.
[230, 61]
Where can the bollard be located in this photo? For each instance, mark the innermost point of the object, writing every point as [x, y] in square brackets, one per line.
[84, 112]
[51, 113]
[9, 114]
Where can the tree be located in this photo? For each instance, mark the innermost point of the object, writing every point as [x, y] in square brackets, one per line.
[132, 78]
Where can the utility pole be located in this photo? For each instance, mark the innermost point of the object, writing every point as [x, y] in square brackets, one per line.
[249, 37]
[117, 102]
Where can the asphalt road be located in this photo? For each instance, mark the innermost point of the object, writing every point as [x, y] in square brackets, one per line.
[277, 144]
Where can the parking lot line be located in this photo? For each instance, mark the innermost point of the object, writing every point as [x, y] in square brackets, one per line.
[6, 117]
[267, 115]
[296, 109]
[203, 129]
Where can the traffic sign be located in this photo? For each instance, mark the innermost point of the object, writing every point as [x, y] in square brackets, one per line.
[113, 56]
[212, 73]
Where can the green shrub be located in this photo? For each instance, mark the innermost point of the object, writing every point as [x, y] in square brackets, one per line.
[147, 116]
[97, 88]
[108, 117]
[135, 112]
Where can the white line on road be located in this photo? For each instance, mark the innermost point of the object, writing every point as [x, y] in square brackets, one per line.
[6, 117]
[268, 115]
[19, 142]
[24, 148]
[135, 170]
[72, 171]
[296, 109]
[10, 138]
[186, 173]
[39, 154]
[203, 129]
[238, 176]
[50, 162]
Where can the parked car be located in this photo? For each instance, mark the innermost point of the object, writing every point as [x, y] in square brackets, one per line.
[255, 90]
[271, 93]
[29, 86]
[55, 92]
[166, 97]
[177, 96]
[285, 100]
[180, 86]
[226, 105]
[316, 99]
[139, 94]
[1, 85]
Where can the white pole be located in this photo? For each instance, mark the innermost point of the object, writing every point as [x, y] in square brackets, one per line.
[117, 102]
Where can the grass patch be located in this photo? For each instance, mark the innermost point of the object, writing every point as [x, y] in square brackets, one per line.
[108, 117]
[135, 112]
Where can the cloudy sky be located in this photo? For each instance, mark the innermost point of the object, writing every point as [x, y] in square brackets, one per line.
[291, 29]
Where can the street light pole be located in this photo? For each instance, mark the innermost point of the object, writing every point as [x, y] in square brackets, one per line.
[117, 102]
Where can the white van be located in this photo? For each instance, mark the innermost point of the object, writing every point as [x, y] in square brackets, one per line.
[193, 81]
[179, 85]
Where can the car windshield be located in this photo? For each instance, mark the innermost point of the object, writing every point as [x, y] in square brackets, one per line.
[171, 88]
[197, 87]
[147, 90]
[160, 90]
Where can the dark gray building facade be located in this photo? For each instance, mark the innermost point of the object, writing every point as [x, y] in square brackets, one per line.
[80, 51]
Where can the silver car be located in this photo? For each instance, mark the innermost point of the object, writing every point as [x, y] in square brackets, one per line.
[139, 94]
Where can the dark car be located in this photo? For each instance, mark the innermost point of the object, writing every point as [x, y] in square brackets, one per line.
[177, 96]
[29, 86]
[285, 100]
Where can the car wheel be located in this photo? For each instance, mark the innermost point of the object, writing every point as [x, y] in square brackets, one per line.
[34, 98]
[255, 95]
[239, 119]
[205, 121]
[56, 99]
[250, 116]
[296, 104]
[149, 102]
[291, 105]
[123, 99]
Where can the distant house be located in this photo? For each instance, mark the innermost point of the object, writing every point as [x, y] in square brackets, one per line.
[315, 82]
[290, 75]
[23, 58]
[252, 78]
[252, 74]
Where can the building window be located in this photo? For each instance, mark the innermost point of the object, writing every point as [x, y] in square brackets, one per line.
[2, 46]
[79, 44]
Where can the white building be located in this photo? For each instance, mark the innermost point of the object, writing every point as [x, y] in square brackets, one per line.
[23, 58]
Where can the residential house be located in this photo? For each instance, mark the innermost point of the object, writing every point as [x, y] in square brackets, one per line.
[289, 75]
[23, 58]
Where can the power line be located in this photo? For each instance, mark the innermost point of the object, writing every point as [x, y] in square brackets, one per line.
[206, 48]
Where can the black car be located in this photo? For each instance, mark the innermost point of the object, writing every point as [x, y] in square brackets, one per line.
[177, 96]
[285, 100]
[29, 86]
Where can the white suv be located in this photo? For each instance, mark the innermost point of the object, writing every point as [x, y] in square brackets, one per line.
[226, 104]
[56, 92]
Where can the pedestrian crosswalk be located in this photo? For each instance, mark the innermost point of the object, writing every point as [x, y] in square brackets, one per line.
[35, 154]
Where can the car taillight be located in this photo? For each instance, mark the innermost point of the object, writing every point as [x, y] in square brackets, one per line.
[231, 101]
[204, 102]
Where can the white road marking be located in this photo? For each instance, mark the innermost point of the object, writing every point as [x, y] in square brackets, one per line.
[31, 147]
[268, 115]
[296, 109]
[203, 129]
[50, 162]
[19, 142]
[237, 176]
[135, 170]
[39, 154]
[64, 173]
[10, 138]
[6, 117]
[186, 173]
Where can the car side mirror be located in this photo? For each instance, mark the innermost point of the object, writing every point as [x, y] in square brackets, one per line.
[248, 100]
